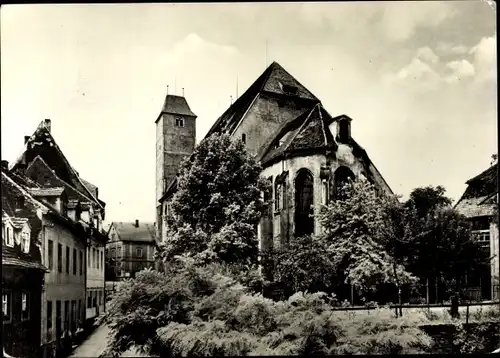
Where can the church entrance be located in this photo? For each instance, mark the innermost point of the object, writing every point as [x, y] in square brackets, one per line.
[304, 221]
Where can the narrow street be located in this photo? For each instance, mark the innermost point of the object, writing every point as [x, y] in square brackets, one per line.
[96, 343]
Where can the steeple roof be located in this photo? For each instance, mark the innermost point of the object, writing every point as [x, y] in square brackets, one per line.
[176, 105]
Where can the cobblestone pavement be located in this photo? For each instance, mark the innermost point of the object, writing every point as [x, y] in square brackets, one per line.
[96, 344]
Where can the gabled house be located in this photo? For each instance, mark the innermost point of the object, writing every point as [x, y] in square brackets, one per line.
[78, 249]
[479, 204]
[22, 270]
[131, 248]
[306, 153]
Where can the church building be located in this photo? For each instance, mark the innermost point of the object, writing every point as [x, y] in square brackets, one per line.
[305, 152]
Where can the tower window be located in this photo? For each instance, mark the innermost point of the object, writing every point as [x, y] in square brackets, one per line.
[244, 138]
[179, 122]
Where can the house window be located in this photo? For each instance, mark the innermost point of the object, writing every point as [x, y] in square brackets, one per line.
[119, 251]
[66, 315]
[102, 260]
[342, 177]
[277, 196]
[49, 321]
[139, 252]
[73, 316]
[67, 260]
[25, 242]
[89, 299]
[58, 319]
[113, 252]
[244, 138]
[59, 257]
[179, 122]
[6, 306]
[81, 262]
[97, 259]
[25, 308]
[10, 237]
[74, 261]
[50, 249]
[113, 237]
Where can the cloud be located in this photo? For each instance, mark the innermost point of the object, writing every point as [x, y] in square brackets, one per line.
[400, 20]
[485, 59]
[450, 49]
[426, 54]
[461, 69]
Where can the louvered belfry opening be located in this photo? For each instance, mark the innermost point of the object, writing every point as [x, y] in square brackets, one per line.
[304, 201]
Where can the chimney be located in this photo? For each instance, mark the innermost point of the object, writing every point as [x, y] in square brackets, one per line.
[47, 124]
[26, 139]
[136, 223]
[5, 164]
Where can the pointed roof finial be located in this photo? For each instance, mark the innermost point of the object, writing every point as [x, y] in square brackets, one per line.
[231, 97]
[182, 91]
[167, 90]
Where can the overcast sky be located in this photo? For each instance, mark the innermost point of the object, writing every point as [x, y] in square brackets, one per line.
[418, 79]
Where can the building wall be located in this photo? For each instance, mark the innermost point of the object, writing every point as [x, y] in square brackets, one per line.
[95, 279]
[21, 337]
[61, 286]
[263, 119]
[131, 262]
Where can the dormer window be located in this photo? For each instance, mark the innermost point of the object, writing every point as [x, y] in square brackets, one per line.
[25, 242]
[290, 90]
[20, 202]
[9, 236]
[179, 122]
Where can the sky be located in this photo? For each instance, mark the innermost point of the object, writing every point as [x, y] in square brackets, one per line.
[419, 80]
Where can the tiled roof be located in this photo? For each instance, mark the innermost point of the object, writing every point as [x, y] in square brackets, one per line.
[477, 198]
[13, 261]
[54, 191]
[91, 187]
[312, 133]
[176, 105]
[473, 207]
[42, 144]
[271, 80]
[127, 231]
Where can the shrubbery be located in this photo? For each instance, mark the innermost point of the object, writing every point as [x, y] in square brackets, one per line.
[205, 310]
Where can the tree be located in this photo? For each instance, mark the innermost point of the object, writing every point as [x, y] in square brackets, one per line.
[303, 266]
[218, 204]
[439, 241]
[356, 231]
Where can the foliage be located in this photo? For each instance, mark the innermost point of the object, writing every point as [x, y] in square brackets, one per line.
[478, 338]
[426, 200]
[356, 231]
[217, 205]
[303, 266]
[203, 310]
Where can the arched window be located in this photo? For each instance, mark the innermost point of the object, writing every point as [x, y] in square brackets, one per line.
[342, 176]
[304, 201]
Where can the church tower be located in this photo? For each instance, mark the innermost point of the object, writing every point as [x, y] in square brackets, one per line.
[175, 140]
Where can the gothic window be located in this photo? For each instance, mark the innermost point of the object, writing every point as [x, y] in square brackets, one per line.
[342, 177]
[179, 122]
[244, 138]
[304, 222]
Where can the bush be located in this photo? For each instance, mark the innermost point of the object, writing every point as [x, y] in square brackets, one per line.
[204, 310]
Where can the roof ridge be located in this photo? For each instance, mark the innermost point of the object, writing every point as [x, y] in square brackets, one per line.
[26, 193]
[322, 125]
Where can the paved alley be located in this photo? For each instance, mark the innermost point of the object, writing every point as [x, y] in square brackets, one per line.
[96, 343]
